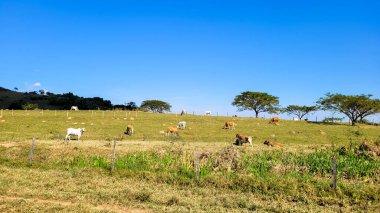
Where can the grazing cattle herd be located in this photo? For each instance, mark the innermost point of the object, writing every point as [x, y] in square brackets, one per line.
[240, 139]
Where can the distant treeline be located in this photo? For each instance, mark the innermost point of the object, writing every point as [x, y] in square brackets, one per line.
[45, 100]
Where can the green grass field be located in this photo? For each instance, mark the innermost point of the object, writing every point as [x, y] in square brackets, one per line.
[155, 173]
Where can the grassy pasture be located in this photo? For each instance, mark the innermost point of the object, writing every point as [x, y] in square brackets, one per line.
[154, 173]
[52, 125]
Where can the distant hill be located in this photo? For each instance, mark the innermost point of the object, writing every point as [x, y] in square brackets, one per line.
[19, 100]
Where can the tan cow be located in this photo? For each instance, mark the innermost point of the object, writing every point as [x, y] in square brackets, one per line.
[129, 130]
[273, 144]
[172, 131]
[229, 125]
[274, 120]
[241, 139]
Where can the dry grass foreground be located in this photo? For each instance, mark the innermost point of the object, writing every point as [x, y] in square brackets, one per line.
[37, 189]
[156, 173]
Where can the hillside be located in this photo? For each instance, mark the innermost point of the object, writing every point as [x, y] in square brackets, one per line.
[19, 100]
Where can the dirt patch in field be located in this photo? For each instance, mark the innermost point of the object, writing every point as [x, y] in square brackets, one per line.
[9, 145]
[113, 208]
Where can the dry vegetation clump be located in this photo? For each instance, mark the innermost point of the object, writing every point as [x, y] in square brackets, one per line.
[370, 148]
[228, 160]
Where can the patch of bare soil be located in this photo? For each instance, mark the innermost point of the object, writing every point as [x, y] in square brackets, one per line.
[113, 208]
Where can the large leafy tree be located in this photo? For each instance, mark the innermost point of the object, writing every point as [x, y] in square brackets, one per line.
[355, 107]
[256, 101]
[155, 106]
[299, 111]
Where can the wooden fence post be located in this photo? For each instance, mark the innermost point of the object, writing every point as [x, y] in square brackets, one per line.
[113, 157]
[103, 113]
[334, 173]
[55, 112]
[12, 112]
[31, 152]
[1, 115]
[196, 163]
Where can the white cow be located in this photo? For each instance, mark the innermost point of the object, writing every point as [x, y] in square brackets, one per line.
[72, 131]
[181, 125]
[75, 108]
[208, 113]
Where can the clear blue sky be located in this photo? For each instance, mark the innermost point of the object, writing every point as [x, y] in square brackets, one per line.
[196, 55]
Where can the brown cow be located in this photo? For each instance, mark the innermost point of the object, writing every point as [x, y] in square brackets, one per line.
[172, 131]
[274, 120]
[273, 144]
[241, 139]
[229, 125]
[129, 130]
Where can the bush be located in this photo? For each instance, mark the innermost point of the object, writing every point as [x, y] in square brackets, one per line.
[29, 106]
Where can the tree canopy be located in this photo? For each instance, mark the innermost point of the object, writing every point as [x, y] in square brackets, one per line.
[155, 106]
[299, 111]
[355, 107]
[256, 101]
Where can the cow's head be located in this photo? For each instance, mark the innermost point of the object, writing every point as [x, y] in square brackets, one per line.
[83, 129]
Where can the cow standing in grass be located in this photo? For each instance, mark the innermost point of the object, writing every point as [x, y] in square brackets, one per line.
[241, 139]
[172, 131]
[76, 132]
[181, 125]
[129, 130]
[274, 120]
[229, 125]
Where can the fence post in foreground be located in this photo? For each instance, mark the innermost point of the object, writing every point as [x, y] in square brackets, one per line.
[31, 152]
[334, 173]
[196, 163]
[113, 156]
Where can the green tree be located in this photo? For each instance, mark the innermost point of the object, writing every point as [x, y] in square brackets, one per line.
[299, 111]
[131, 106]
[30, 106]
[355, 107]
[155, 106]
[256, 101]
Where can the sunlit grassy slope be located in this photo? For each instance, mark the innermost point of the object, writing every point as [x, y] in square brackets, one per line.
[109, 125]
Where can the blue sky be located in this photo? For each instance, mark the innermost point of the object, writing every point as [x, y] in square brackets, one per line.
[196, 55]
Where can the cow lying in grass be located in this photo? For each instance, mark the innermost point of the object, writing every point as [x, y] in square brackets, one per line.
[229, 125]
[172, 131]
[273, 144]
[241, 139]
[76, 132]
[129, 130]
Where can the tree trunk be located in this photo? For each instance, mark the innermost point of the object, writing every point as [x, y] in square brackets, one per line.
[257, 114]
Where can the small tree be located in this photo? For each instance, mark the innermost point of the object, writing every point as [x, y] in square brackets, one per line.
[131, 106]
[256, 101]
[155, 106]
[356, 107]
[29, 106]
[299, 111]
